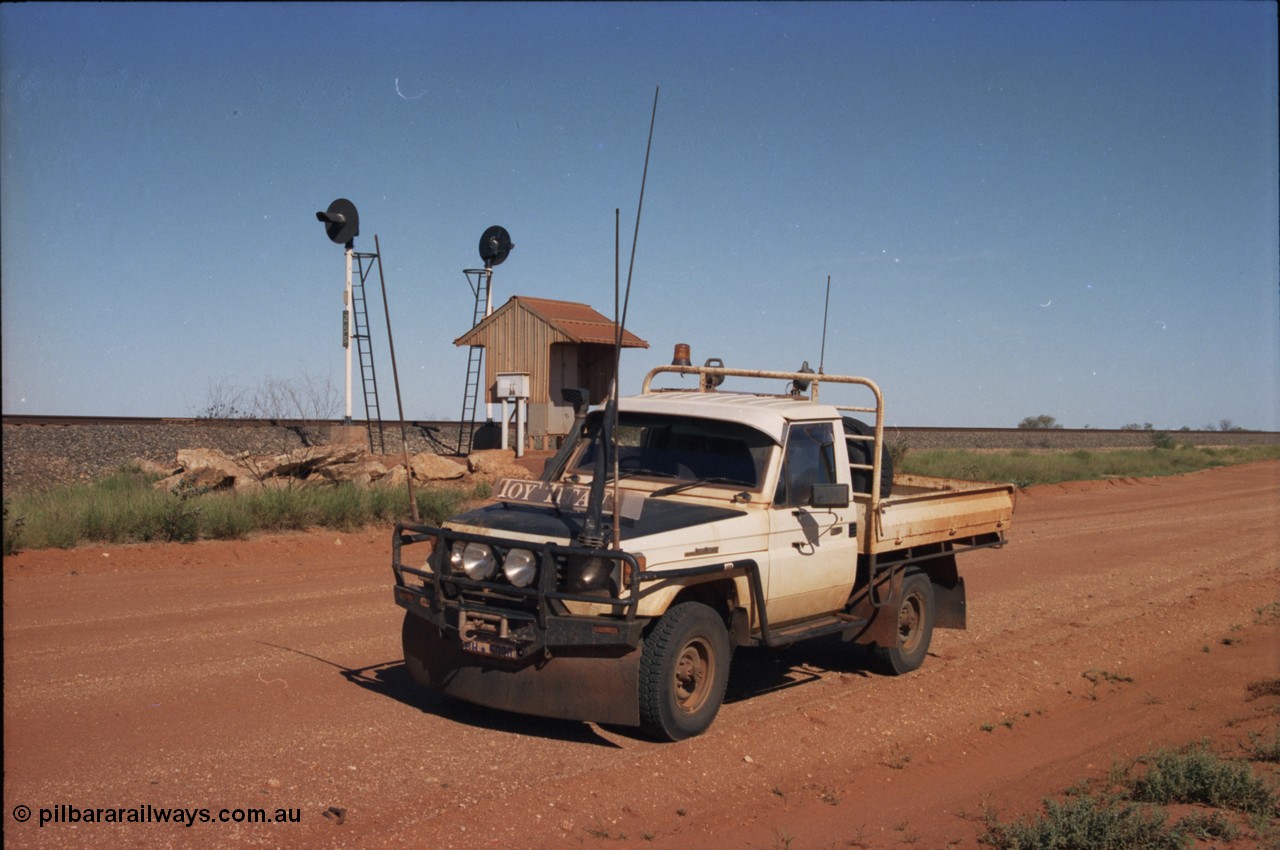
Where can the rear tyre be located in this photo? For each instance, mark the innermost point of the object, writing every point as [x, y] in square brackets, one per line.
[915, 615]
[684, 667]
[860, 452]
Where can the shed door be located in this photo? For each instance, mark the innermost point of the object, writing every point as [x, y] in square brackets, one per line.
[563, 374]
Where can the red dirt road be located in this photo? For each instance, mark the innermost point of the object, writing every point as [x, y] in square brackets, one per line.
[267, 674]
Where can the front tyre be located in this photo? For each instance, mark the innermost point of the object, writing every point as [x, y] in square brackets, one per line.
[915, 616]
[414, 638]
[684, 667]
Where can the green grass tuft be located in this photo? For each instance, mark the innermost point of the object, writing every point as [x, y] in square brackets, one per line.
[12, 530]
[1263, 748]
[1134, 818]
[125, 508]
[1028, 468]
[1206, 826]
[1084, 823]
[1195, 775]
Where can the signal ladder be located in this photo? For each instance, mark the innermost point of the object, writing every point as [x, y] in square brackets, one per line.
[364, 347]
[479, 280]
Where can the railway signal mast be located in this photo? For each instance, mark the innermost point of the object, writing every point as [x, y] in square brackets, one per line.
[495, 245]
[342, 225]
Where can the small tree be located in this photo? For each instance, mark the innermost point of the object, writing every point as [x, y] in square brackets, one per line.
[303, 402]
[223, 401]
[306, 398]
[299, 405]
[1042, 421]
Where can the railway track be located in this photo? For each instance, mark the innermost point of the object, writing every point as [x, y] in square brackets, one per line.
[22, 419]
[426, 424]
[42, 450]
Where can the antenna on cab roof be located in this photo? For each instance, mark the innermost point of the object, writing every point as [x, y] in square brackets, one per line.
[591, 527]
[822, 358]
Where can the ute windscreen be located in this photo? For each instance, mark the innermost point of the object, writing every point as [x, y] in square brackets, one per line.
[681, 448]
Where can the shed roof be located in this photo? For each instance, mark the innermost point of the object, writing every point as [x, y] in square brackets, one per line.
[578, 322]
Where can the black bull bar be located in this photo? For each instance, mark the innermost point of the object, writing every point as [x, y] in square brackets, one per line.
[536, 658]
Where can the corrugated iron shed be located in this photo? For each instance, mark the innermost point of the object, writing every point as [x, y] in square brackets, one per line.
[568, 321]
[560, 344]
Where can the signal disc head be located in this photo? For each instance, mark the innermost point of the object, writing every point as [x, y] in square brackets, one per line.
[341, 221]
[495, 244]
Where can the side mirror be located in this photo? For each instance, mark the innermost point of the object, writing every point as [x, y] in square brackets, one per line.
[829, 496]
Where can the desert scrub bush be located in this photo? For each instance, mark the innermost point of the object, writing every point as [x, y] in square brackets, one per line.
[1026, 468]
[1264, 748]
[1084, 823]
[439, 503]
[348, 507]
[898, 447]
[1196, 775]
[1263, 688]
[120, 508]
[120, 512]
[224, 517]
[126, 508]
[387, 504]
[344, 507]
[1206, 826]
[179, 517]
[1134, 818]
[1265, 615]
[281, 510]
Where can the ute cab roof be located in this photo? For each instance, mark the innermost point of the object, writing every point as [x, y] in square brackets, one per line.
[769, 414]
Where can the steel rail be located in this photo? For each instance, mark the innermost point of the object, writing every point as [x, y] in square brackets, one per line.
[18, 419]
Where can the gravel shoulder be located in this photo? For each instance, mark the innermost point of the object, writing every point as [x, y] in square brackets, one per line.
[267, 673]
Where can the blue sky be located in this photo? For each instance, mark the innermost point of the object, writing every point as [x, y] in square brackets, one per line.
[1062, 208]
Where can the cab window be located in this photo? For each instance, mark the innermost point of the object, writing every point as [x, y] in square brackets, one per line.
[809, 459]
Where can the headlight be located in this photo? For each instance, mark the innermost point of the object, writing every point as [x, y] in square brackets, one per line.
[455, 556]
[478, 561]
[587, 573]
[520, 566]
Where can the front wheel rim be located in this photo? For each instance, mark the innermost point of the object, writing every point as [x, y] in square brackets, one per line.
[694, 671]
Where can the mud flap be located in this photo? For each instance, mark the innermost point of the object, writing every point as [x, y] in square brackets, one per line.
[949, 605]
[601, 689]
[881, 627]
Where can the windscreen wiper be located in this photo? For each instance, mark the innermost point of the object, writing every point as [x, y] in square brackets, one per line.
[628, 473]
[698, 482]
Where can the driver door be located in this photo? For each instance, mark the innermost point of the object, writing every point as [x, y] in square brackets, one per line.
[812, 551]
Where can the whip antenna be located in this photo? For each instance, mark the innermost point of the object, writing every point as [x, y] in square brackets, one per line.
[617, 359]
[653, 116]
[590, 535]
[822, 358]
